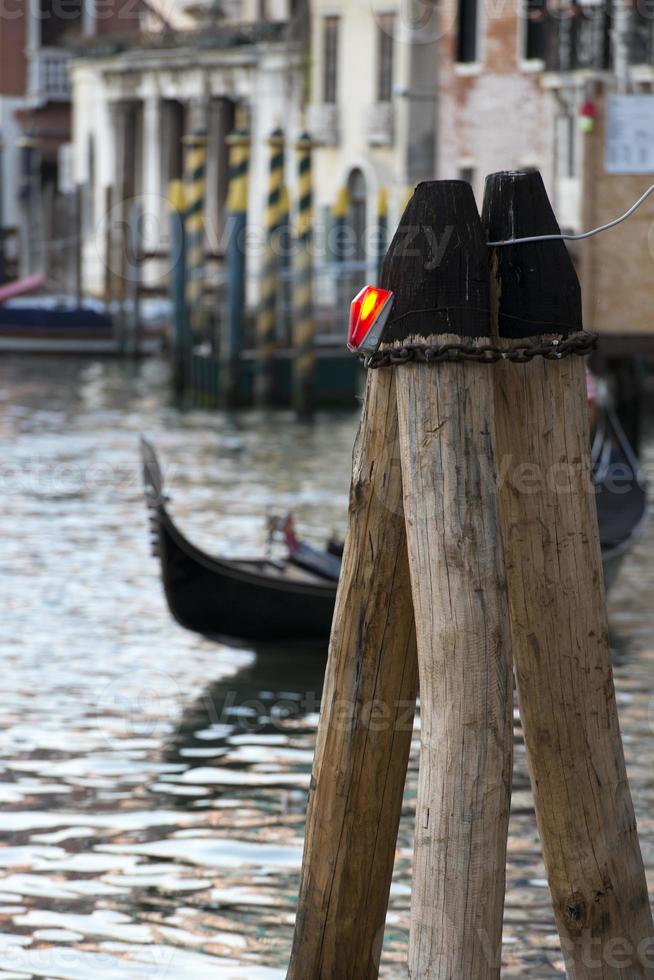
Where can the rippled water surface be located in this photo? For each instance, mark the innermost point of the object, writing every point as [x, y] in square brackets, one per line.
[153, 784]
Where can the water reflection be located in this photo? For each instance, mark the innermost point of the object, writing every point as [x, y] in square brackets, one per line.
[153, 784]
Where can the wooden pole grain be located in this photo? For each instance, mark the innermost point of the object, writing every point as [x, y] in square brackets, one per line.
[559, 627]
[438, 265]
[366, 721]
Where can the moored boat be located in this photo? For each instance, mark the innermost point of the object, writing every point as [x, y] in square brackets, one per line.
[251, 600]
[262, 599]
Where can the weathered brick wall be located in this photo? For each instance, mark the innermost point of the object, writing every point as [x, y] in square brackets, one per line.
[495, 116]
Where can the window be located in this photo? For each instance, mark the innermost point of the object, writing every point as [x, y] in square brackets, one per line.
[59, 21]
[330, 55]
[535, 38]
[385, 51]
[467, 31]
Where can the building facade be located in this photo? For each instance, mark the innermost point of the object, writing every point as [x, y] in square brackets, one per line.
[136, 100]
[37, 41]
[372, 110]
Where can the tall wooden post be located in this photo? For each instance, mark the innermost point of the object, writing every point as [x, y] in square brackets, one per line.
[236, 224]
[303, 322]
[284, 245]
[340, 251]
[382, 228]
[269, 284]
[109, 256]
[177, 205]
[437, 264]
[78, 243]
[134, 272]
[558, 617]
[196, 187]
[366, 720]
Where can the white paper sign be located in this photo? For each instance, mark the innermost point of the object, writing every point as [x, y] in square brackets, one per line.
[630, 134]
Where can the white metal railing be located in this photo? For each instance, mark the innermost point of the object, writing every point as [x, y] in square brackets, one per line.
[380, 124]
[324, 123]
[48, 75]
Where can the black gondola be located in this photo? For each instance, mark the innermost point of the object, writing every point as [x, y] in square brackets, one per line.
[267, 600]
[251, 600]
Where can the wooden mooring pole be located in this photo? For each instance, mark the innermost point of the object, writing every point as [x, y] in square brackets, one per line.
[269, 288]
[494, 454]
[195, 145]
[437, 264]
[304, 327]
[560, 636]
[366, 720]
[235, 260]
[180, 337]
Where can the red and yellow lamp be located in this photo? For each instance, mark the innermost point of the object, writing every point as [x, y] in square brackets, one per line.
[369, 313]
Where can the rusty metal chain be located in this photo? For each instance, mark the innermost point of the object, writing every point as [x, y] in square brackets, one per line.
[553, 350]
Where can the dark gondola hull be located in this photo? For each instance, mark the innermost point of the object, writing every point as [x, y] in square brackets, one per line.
[260, 601]
[251, 601]
[220, 599]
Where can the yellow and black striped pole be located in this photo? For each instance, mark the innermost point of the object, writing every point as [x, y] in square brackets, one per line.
[340, 249]
[195, 166]
[284, 246]
[235, 257]
[382, 228]
[264, 390]
[180, 339]
[303, 322]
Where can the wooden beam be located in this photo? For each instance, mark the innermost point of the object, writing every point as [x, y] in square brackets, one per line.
[554, 571]
[438, 265]
[366, 721]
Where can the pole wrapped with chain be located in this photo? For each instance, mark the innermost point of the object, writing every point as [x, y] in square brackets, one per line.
[270, 275]
[303, 319]
[558, 612]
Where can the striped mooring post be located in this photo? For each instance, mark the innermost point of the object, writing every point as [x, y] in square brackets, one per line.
[195, 165]
[264, 389]
[284, 245]
[237, 208]
[340, 250]
[382, 228]
[303, 322]
[180, 339]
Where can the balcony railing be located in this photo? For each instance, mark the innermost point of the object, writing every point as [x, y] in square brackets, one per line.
[580, 38]
[48, 75]
[324, 123]
[641, 35]
[379, 122]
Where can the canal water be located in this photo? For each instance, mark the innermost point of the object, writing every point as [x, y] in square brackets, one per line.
[153, 783]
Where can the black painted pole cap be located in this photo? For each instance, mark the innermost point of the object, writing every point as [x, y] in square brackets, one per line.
[437, 266]
[537, 288]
